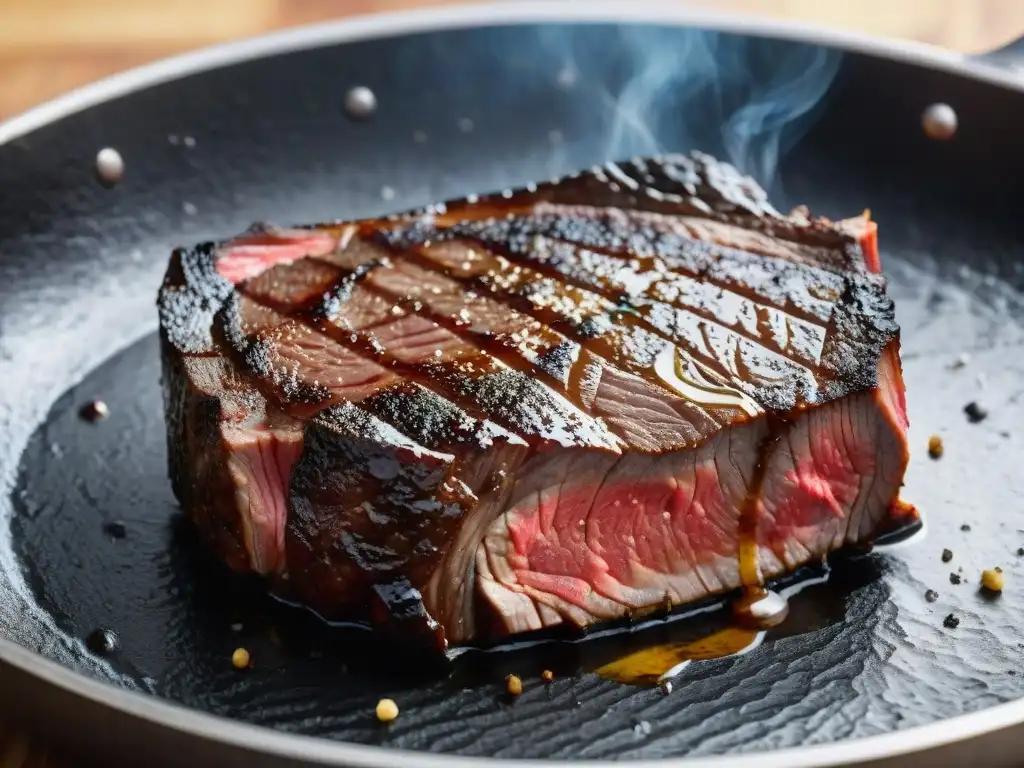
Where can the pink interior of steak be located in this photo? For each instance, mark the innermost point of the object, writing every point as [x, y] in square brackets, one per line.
[260, 462]
[642, 531]
[594, 405]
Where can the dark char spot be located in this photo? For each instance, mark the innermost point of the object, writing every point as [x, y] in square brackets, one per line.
[115, 529]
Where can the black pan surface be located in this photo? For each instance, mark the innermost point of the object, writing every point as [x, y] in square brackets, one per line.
[92, 536]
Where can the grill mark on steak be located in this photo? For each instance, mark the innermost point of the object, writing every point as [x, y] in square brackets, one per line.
[475, 324]
[593, 322]
[760, 279]
[604, 333]
[758, 375]
[796, 288]
[501, 394]
[625, 278]
[500, 345]
[653, 287]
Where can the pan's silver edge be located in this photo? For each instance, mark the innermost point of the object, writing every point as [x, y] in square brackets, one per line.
[368, 27]
[248, 738]
[258, 740]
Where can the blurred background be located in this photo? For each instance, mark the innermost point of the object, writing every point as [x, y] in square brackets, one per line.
[48, 47]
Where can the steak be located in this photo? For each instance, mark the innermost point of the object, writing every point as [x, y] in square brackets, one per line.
[632, 388]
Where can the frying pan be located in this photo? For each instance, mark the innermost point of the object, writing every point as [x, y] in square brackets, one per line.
[472, 100]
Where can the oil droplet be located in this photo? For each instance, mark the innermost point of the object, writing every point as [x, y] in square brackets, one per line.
[360, 102]
[387, 193]
[939, 122]
[465, 125]
[109, 166]
[760, 608]
[652, 666]
[420, 137]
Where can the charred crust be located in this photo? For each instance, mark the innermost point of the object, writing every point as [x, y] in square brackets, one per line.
[397, 607]
[859, 320]
[191, 295]
[254, 354]
[429, 419]
[341, 291]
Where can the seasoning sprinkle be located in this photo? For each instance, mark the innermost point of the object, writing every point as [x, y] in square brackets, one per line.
[954, 578]
[965, 527]
[993, 580]
[240, 658]
[935, 447]
[513, 685]
[961, 361]
[947, 555]
[975, 412]
[931, 595]
[547, 675]
[951, 622]
[387, 710]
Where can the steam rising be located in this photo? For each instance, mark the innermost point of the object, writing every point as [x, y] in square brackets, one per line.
[747, 99]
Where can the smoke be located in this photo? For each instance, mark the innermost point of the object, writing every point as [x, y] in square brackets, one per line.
[667, 89]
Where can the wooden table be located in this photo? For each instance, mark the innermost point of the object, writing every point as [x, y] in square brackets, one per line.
[51, 46]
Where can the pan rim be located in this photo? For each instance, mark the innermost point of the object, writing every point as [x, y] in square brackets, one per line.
[233, 733]
[486, 14]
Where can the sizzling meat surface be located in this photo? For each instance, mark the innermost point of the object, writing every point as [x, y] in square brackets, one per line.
[634, 387]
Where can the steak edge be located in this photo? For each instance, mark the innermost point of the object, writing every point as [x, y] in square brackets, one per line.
[635, 387]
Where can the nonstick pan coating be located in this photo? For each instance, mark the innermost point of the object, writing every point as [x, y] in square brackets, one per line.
[865, 654]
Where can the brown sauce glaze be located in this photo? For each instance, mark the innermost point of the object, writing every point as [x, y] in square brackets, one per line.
[756, 606]
[759, 608]
[750, 571]
[650, 666]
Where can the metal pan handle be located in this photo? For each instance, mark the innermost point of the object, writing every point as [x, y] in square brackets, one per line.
[1009, 57]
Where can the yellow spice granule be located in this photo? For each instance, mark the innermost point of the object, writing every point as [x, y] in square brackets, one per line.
[240, 658]
[387, 710]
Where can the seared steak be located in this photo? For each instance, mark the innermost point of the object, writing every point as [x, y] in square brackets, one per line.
[634, 387]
